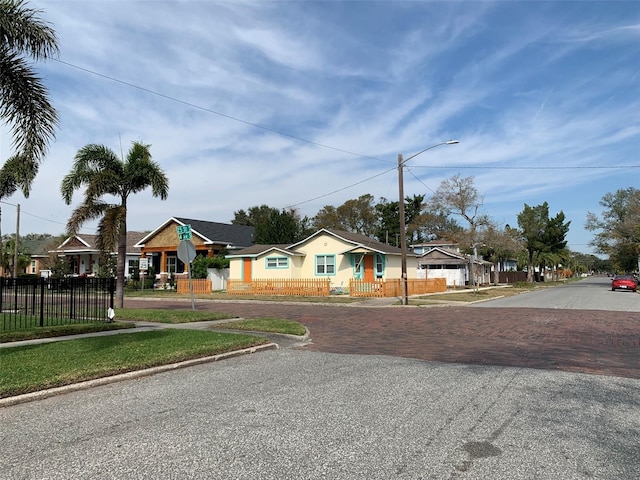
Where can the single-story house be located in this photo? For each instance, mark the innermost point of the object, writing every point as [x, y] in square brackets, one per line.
[160, 246]
[83, 255]
[441, 262]
[334, 254]
[38, 251]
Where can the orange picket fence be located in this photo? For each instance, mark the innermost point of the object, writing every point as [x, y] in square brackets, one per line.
[305, 287]
[200, 285]
[393, 288]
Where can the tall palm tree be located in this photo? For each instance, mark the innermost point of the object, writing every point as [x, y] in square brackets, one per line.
[99, 169]
[24, 102]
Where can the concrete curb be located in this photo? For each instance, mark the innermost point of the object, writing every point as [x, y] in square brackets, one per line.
[42, 394]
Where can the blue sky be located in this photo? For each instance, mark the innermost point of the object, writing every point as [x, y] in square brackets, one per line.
[283, 103]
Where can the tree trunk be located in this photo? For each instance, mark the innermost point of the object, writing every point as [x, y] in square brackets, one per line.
[122, 254]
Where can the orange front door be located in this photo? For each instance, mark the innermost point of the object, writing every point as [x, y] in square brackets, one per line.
[246, 270]
[368, 268]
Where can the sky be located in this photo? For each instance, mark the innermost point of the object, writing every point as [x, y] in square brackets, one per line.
[303, 104]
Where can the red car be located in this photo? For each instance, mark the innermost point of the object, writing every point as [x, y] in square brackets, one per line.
[624, 282]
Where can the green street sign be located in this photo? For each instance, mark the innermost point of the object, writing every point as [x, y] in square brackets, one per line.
[184, 232]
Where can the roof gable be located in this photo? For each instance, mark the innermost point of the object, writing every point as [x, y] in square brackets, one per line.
[226, 234]
[358, 241]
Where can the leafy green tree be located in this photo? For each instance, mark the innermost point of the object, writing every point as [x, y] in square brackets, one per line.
[327, 217]
[253, 216]
[542, 235]
[279, 227]
[59, 266]
[24, 102]
[358, 215]
[103, 174]
[273, 226]
[8, 256]
[388, 222]
[500, 245]
[616, 230]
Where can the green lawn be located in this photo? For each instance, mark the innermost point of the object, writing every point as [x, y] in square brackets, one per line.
[168, 316]
[37, 367]
[267, 324]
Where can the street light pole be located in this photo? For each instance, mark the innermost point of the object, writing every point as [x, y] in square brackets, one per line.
[403, 227]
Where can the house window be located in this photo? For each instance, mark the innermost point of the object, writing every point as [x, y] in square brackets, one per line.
[172, 265]
[358, 266]
[33, 266]
[379, 265]
[277, 262]
[325, 264]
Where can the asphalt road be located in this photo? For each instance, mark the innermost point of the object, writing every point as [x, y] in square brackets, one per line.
[591, 293]
[303, 412]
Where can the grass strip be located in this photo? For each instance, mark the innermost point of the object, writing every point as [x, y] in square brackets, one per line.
[168, 316]
[36, 367]
[59, 331]
[266, 324]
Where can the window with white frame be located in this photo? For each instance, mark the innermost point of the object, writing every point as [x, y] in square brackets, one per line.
[379, 266]
[277, 262]
[325, 264]
[172, 264]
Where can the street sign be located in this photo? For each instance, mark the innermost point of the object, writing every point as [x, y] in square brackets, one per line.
[186, 251]
[184, 232]
[144, 264]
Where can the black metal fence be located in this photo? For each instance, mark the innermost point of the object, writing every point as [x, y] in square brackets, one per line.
[42, 302]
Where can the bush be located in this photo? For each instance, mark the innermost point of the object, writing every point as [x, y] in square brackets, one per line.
[200, 265]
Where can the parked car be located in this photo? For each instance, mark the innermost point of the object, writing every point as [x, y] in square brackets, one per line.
[624, 282]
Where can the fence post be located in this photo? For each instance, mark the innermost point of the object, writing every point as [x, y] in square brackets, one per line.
[112, 290]
[42, 282]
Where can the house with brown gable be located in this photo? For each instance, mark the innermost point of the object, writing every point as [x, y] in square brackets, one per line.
[160, 246]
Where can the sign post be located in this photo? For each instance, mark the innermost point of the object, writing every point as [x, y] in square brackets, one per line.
[143, 266]
[184, 232]
[186, 254]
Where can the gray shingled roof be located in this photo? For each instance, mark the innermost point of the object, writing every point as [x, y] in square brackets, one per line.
[223, 233]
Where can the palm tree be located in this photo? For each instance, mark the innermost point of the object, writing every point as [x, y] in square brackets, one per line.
[24, 102]
[100, 170]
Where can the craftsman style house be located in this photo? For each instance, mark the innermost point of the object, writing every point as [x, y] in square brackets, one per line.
[160, 246]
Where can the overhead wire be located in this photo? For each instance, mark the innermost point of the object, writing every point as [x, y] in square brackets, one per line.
[322, 145]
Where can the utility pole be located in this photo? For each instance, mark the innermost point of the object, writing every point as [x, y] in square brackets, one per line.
[403, 236]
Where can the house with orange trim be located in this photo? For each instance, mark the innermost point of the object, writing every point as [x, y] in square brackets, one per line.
[336, 255]
[160, 246]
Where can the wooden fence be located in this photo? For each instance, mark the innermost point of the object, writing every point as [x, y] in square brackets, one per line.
[200, 285]
[393, 288]
[305, 287]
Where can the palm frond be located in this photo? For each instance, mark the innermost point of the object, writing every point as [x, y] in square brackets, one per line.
[85, 213]
[23, 31]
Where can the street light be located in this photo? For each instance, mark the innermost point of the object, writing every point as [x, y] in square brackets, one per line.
[403, 235]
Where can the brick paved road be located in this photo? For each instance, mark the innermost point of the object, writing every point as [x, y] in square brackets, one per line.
[587, 341]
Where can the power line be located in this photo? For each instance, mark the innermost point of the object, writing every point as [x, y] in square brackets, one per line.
[208, 110]
[322, 145]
